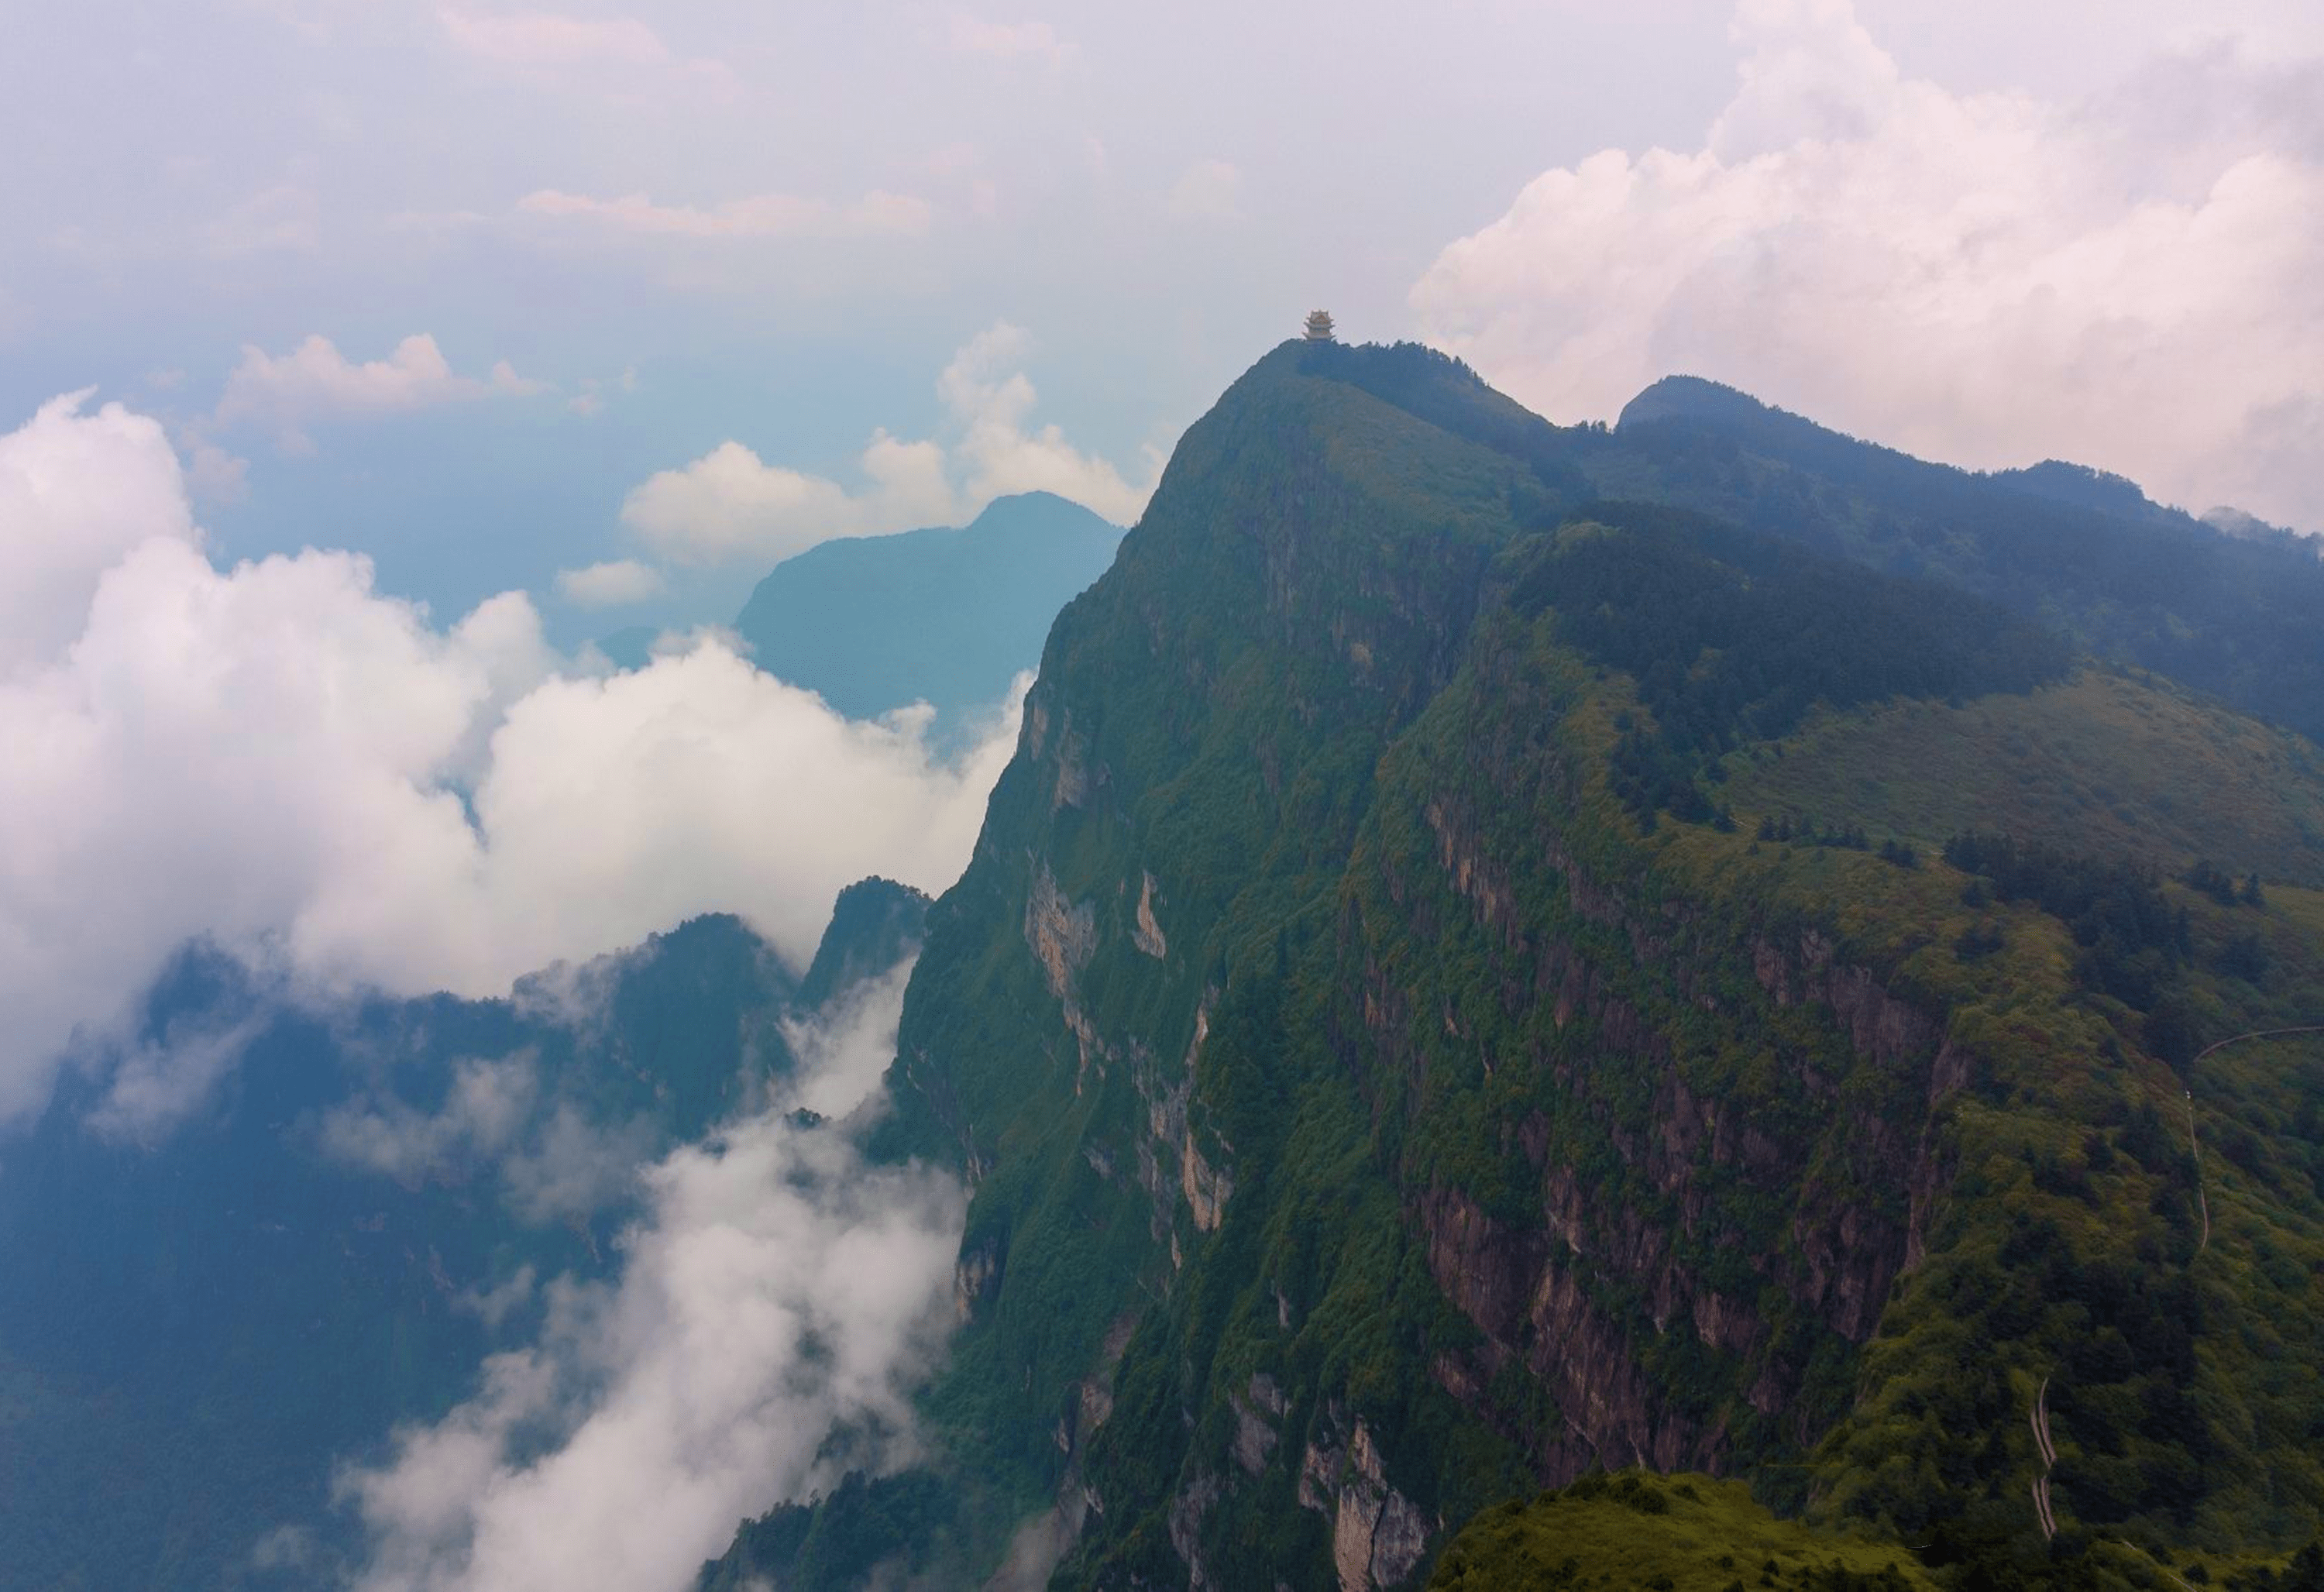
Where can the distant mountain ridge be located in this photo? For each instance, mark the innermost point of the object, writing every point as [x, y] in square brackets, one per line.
[2084, 551]
[948, 616]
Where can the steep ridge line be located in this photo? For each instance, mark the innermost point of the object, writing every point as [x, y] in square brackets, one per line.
[2255, 1033]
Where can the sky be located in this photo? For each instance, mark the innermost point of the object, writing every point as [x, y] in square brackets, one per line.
[449, 284]
[360, 361]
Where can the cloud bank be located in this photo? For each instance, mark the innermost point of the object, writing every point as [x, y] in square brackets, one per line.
[278, 759]
[2135, 282]
[730, 506]
[315, 381]
[612, 585]
[555, 1163]
[779, 1293]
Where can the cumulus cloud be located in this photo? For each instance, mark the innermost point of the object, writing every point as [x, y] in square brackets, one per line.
[278, 761]
[778, 1300]
[1023, 40]
[999, 451]
[1207, 191]
[549, 44]
[2133, 281]
[732, 506]
[315, 381]
[611, 584]
[877, 214]
[77, 492]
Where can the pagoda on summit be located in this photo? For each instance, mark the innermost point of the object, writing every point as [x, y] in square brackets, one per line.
[1319, 326]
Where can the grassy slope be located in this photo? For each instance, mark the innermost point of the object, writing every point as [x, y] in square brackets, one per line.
[1673, 1533]
[2101, 763]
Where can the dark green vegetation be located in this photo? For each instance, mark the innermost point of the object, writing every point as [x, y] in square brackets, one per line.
[1691, 1533]
[948, 617]
[1679, 1533]
[1445, 1002]
[2080, 550]
[194, 1331]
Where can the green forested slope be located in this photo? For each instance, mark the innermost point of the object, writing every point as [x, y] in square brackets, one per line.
[1445, 1002]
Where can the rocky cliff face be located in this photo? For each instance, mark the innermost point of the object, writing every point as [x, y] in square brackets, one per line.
[1371, 1118]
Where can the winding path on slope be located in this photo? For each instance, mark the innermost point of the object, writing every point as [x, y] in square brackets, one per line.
[2049, 1452]
[2202, 1201]
[2040, 1414]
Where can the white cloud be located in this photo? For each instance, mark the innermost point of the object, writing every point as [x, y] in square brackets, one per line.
[878, 214]
[575, 1166]
[843, 1052]
[154, 1086]
[1207, 191]
[990, 400]
[76, 491]
[732, 506]
[1022, 41]
[2133, 281]
[594, 51]
[778, 1294]
[214, 475]
[484, 1109]
[496, 1304]
[610, 585]
[555, 1163]
[315, 379]
[544, 39]
[277, 759]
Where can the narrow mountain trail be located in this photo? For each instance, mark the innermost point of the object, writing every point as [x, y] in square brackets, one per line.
[2255, 1033]
[2045, 1446]
[2202, 1200]
[2040, 1417]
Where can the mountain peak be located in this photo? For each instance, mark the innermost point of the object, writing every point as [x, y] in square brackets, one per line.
[1678, 397]
[1040, 507]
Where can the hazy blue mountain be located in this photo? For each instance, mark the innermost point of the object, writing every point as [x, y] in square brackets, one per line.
[193, 1332]
[945, 616]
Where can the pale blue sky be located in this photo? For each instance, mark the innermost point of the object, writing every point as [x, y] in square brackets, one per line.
[1153, 193]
